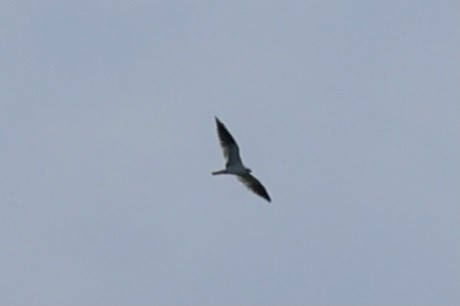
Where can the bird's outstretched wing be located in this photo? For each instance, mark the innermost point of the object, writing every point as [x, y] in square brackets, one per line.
[254, 185]
[228, 144]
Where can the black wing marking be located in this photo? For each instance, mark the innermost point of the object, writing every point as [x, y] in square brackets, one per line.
[254, 185]
[228, 143]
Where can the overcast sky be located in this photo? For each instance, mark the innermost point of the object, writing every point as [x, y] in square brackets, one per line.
[348, 112]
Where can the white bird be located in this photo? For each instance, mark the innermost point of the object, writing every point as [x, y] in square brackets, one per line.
[234, 165]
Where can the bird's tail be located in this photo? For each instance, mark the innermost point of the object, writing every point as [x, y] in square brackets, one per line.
[219, 172]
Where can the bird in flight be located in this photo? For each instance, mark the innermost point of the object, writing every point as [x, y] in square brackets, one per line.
[234, 165]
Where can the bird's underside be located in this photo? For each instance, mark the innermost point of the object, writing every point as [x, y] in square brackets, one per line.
[234, 164]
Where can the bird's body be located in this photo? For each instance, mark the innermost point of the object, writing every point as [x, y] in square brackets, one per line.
[234, 169]
[234, 165]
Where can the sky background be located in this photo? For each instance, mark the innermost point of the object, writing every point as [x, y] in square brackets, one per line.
[348, 112]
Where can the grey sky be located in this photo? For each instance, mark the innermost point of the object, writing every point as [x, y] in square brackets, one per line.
[348, 111]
